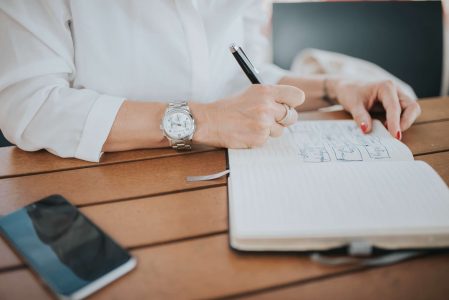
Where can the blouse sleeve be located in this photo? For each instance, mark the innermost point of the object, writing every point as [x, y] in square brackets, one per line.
[257, 44]
[38, 107]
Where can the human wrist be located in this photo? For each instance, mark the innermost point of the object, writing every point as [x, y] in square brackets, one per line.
[204, 122]
[330, 90]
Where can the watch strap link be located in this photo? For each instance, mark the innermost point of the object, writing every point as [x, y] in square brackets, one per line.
[181, 146]
[181, 104]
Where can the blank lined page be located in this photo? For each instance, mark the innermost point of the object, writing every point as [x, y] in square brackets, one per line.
[290, 199]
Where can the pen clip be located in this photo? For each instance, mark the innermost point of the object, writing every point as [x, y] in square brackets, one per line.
[247, 66]
[247, 59]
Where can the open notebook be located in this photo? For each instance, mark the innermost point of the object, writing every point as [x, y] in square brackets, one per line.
[325, 184]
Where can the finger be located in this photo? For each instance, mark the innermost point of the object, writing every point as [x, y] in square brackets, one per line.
[276, 130]
[362, 117]
[289, 95]
[411, 111]
[404, 96]
[389, 97]
[405, 92]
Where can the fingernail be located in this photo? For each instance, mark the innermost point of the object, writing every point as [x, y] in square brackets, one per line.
[399, 135]
[363, 127]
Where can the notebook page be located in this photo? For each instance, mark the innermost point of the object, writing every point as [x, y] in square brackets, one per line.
[324, 142]
[287, 200]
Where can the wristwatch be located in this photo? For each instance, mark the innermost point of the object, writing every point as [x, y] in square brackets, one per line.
[178, 125]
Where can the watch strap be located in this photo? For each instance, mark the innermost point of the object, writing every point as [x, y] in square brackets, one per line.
[181, 104]
[180, 145]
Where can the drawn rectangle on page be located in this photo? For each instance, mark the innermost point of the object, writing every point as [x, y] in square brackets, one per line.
[328, 141]
[324, 184]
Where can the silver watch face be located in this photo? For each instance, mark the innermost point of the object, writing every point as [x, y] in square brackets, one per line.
[178, 124]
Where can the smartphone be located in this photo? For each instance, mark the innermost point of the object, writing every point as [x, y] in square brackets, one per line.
[71, 255]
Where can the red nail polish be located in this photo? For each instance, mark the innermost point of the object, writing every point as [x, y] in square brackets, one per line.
[398, 135]
[363, 127]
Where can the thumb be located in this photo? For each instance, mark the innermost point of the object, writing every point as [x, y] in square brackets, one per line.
[362, 118]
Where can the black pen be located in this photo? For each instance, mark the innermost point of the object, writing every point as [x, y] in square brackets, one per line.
[245, 64]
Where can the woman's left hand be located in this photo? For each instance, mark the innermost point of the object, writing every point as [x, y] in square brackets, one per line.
[358, 98]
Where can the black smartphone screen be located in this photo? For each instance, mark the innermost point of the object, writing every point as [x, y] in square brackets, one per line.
[65, 248]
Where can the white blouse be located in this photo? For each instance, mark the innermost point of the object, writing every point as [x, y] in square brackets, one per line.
[67, 66]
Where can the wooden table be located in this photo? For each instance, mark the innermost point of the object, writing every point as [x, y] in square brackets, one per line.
[179, 231]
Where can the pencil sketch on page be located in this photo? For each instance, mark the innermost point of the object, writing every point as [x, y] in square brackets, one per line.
[340, 141]
[326, 142]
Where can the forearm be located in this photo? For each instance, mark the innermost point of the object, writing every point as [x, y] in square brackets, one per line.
[136, 126]
[240, 121]
[313, 87]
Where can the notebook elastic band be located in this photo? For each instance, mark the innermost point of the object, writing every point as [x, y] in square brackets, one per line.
[360, 248]
[383, 260]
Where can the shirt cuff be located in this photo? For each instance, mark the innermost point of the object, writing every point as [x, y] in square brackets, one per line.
[97, 127]
[271, 74]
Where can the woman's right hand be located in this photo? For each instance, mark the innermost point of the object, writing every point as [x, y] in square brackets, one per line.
[247, 119]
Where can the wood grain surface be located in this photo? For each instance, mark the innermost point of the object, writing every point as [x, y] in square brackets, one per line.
[114, 182]
[202, 268]
[15, 162]
[178, 230]
[418, 279]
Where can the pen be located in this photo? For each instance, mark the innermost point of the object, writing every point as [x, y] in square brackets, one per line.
[252, 74]
[246, 65]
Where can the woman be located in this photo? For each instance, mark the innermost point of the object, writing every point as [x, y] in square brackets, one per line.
[83, 77]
